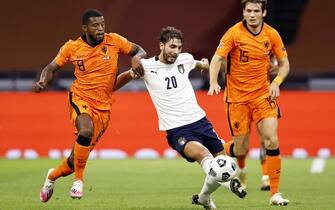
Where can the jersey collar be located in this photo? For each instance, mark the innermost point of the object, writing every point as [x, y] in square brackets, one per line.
[246, 27]
[83, 37]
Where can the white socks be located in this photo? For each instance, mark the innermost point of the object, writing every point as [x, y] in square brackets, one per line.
[206, 163]
[210, 185]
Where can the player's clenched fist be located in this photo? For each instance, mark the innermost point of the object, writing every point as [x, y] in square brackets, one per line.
[39, 86]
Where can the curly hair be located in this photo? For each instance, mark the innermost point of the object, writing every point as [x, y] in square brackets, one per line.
[169, 33]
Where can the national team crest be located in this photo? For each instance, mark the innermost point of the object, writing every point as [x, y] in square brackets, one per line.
[104, 49]
[181, 141]
[181, 68]
[266, 45]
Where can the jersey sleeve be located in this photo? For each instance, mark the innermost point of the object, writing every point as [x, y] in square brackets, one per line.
[226, 44]
[190, 62]
[278, 46]
[123, 44]
[64, 54]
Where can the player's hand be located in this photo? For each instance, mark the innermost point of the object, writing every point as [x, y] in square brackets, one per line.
[39, 86]
[214, 88]
[274, 91]
[132, 74]
[136, 66]
[205, 62]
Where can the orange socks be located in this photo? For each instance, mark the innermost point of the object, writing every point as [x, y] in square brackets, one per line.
[81, 154]
[273, 162]
[228, 148]
[62, 170]
[241, 161]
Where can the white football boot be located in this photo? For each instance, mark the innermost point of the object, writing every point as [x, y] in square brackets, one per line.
[209, 204]
[77, 189]
[278, 200]
[47, 188]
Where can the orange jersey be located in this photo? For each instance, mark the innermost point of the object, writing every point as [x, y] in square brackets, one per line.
[95, 67]
[248, 61]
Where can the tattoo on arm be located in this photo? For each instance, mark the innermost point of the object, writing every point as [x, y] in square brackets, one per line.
[137, 50]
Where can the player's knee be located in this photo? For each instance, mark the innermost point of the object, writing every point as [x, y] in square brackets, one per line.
[86, 132]
[271, 142]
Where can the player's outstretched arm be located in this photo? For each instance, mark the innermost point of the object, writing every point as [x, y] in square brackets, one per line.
[283, 70]
[46, 76]
[202, 65]
[137, 53]
[214, 69]
[123, 79]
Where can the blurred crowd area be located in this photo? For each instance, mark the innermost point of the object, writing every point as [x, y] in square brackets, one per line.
[34, 35]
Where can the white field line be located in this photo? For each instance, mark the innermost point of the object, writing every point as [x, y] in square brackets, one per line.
[318, 165]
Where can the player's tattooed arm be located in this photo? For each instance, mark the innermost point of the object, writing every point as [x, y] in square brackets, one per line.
[46, 76]
[137, 53]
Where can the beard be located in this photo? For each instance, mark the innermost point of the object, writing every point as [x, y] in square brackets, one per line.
[168, 59]
[94, 39]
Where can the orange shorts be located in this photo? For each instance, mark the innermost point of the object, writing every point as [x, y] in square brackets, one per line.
[240, 115]
[100, 118]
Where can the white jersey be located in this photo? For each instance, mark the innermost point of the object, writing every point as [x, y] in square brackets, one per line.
[171, 91]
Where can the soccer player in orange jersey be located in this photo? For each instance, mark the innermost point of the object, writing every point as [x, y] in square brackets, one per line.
[95, 57]
[244, 51]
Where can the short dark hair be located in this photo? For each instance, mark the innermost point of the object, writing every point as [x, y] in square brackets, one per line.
[90, 13]
[169, 33]
[263, 2]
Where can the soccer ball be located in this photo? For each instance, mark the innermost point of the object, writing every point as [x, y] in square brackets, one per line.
[223, 168]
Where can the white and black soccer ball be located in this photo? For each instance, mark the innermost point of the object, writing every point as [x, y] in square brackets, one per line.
[223, 168]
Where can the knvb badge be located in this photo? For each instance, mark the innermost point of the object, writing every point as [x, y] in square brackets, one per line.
[104, 49]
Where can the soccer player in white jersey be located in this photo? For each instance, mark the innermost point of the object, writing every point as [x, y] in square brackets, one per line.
[188, 130]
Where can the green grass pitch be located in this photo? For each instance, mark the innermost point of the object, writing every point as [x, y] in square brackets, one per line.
[157, 185]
